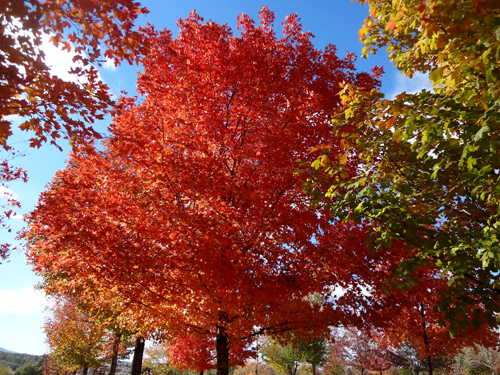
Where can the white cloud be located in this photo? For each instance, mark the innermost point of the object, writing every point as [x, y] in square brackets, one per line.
[109, 64]
[402, 83]
[26, 301]
[17, 216]
[5, 192]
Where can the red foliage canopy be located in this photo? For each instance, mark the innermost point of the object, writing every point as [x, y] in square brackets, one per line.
[413, 315]
[360, 350]
[194, 213]
[199, 353]
[48, 106]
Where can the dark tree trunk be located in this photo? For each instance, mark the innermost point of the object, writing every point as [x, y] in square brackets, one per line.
[138, 352]
[222, 352]
[85, 370]
[426, 338]
[114, 360]
[429, 363]
[314, 369]
[257, 358]
[201, 372]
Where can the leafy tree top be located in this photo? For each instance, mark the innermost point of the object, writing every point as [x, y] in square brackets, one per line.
[428, 163]
[193, 214]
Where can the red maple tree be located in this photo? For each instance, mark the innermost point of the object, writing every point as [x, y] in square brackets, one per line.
[412, 315]
[49, 107]
[198, 353]
[194, 213]
[359, 349]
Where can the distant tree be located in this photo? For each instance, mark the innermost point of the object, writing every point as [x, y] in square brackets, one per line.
[30, 369]
[359, 349]
[252, 368]
[314, 352]
[157, 361]
[407, 357]
[284, 357]
[287, 353]
[478, 359]
[5, 370]
[333, 367]
[73, 337]
[16, 360]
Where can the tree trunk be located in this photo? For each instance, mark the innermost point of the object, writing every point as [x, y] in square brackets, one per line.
[421, 310]
[222, 352]
[114, 360]
[257, 358]
[429, 363]
[314, 369]
[85, 370]
[201, 372]
[138, 352]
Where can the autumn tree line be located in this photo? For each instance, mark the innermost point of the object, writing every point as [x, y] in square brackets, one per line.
[14, 361]
[260, 187]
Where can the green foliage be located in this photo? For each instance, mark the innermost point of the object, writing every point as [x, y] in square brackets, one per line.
[30, 369]
[257, 369]
[284, 358]
[16, 360]
[5, 370]
[428, 163]
[288, 358]
[314, 352]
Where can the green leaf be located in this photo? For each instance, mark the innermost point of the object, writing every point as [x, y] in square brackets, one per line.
[406, 189]
[480, 133]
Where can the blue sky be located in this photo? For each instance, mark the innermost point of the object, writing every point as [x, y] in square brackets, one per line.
[330, 21]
